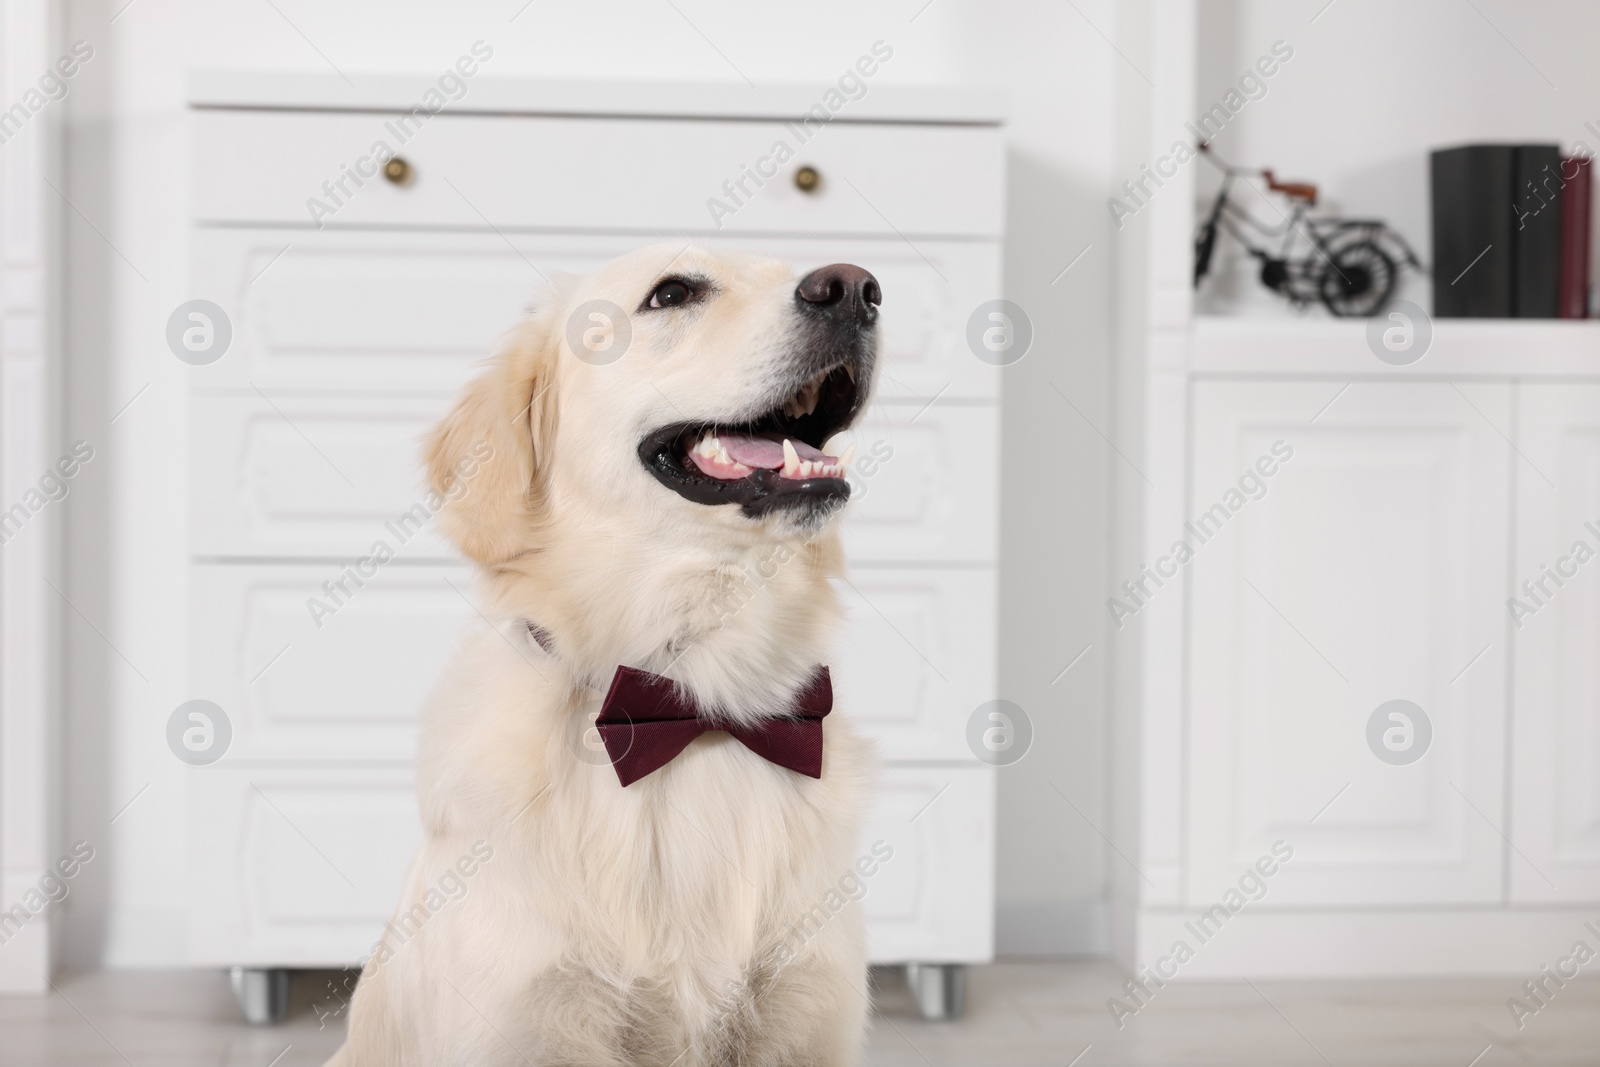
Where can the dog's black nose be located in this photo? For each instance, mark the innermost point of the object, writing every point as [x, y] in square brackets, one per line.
[842, 291]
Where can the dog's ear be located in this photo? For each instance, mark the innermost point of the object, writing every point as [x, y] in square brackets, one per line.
[488, 460]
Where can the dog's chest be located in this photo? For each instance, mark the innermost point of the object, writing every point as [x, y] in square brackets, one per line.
[719, 840]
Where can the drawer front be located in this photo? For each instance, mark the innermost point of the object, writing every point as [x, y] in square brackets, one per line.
[362, 311]
[641, 175]
[934, 899]
[302, 867]
[308, 671]
[917, 657]
[310, 665]
[285, 475]
[296, 867]
[369, 311]
[298, 476]
[924, 485]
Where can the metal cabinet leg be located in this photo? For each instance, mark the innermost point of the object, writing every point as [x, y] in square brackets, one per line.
[939, 989]
[263, 993]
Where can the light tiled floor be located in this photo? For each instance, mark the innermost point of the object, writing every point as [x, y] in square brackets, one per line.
[1019, 1014]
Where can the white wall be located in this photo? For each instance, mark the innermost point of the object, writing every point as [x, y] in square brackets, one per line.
[128, 166]
[1375, 85]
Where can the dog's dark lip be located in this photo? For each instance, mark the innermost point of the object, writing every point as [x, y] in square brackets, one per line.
[664, 452]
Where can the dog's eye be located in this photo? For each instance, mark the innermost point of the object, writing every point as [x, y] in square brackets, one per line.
[670, 293]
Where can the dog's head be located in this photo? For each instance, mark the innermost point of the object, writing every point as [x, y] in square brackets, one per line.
[674, 393]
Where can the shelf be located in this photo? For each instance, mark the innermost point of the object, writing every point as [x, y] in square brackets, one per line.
[1492, 348]
[494, 94]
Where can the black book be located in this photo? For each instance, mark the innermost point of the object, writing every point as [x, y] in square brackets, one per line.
[1472, 231]
[1496, 231]
[1537, 237]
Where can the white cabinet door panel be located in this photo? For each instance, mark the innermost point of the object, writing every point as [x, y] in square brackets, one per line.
[1555, 637]
[1370, 569]
[296, 866]
[917, 657]
[934, 900]
[375, 312]
[643, 175]
[308, 674]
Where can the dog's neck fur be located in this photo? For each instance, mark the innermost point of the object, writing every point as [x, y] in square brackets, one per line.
[742, 628]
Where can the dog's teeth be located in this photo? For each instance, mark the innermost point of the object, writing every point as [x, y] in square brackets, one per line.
[791, 460]
[803, 402]
[844, 460]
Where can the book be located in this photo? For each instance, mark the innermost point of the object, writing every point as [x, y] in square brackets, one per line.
[1497, 229]
[1576, 234]
[1536, 242]
[1472, 244]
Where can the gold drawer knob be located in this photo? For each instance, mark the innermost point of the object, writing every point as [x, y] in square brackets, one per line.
[398, 171]
[807, 180]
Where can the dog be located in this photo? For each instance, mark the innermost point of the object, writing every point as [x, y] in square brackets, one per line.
[653, 437]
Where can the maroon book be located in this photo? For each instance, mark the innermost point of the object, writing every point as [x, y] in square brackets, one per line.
[1577, 191]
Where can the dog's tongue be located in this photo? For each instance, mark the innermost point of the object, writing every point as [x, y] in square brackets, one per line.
[764, 452]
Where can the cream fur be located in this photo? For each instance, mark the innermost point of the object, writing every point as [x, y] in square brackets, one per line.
[643, 925]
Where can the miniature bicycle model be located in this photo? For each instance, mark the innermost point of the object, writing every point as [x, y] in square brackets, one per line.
[1350, 265]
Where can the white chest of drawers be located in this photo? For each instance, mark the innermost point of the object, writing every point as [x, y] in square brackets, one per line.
[349, 340]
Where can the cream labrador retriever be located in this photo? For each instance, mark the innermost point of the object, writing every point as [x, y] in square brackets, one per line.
[633, 807]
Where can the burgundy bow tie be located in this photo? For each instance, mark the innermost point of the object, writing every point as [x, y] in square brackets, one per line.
[646, 721]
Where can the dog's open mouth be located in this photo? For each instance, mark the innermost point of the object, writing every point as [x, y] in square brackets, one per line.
[774, 460]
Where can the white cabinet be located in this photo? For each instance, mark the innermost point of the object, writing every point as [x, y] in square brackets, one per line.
[1367, 541]
[1368, 570]
[1554, 622]
[349, 341]
[1385, 561]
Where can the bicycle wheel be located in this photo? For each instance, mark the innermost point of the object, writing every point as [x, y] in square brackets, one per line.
[1205, 243]
[1357, 279]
